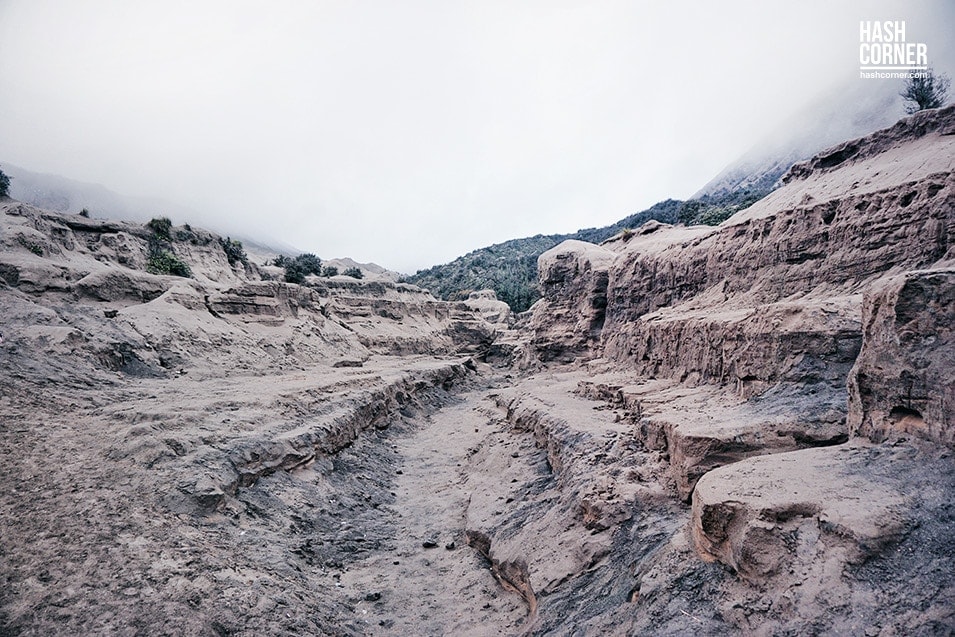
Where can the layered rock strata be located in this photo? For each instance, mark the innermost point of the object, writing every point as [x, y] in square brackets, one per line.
[793, 368]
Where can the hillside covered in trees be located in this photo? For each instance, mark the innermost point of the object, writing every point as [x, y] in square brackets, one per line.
[510, 268]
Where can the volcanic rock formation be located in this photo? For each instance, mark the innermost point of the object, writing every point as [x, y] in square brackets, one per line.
[741, 429]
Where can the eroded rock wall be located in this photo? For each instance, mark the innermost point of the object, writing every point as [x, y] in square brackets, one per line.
[120, 317]
[774, 294]
[903, 382]
[567, 321]
[742, 340]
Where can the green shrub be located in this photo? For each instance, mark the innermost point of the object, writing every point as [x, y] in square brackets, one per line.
[309, 263]
[294, 272]
[716, 216]
[925, 90]
[161, 227]
[85, 213]
[329, 271]
[355, 273]
[4, 184]
[689, 211]
[163, 261]
[234, 251]
[300, 267]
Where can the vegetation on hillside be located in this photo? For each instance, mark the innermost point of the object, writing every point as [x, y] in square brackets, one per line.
[161, 227]
[4, 184]
[712, 210]
[163, 261]
[925, 90]
[162, 257]
[297, 268]
[510, 268]
[234, 251]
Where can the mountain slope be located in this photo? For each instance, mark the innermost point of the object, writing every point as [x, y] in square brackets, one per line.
[510, 268]
[853, 110]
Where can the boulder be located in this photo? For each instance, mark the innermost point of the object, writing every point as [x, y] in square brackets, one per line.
[119, 284]
[760, 516]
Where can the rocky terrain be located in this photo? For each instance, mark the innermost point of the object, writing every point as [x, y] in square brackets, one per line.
[739, 429]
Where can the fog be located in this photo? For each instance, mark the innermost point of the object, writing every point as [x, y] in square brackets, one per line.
[408, 133]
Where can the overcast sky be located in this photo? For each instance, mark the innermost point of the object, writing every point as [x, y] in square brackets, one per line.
[409, 132]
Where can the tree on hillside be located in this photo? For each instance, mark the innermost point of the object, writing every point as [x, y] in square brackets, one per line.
[4, 184]
[234, 251]
[925, 90]
[300, 267]
[309, 263]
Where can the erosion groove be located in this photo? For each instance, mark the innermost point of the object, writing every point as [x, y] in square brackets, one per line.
[299, 447]
[513, 575]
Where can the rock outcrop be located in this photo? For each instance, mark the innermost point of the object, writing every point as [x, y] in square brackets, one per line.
[774, 293]
[225, 313]
[567, 321]
[903, 382]
[793, 369]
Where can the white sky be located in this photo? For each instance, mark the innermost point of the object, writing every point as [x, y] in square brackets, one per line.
[410, 132]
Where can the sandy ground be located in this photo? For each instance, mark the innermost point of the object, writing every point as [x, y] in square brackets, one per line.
[373, 539]
[97, 537]
[431, 582]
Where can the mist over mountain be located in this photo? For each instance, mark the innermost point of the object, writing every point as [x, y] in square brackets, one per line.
[510, 268]
[851, 110]
[62, 194]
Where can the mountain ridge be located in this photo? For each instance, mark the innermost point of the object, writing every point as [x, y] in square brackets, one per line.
[851, 111]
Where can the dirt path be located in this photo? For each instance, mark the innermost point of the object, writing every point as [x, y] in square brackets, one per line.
[433, 583]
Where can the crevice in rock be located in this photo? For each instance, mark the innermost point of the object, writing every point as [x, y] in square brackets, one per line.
[513, 575]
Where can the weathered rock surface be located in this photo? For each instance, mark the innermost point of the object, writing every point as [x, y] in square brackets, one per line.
[700, 428]
[164, 402]
[903, 382]
[728, 350]
[819, 254]
[566, 323]
[854, 538]
[742, 513]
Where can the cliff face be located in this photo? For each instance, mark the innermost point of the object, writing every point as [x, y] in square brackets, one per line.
[903, 382]
[568, 321]
[792, 368]
[775, 293]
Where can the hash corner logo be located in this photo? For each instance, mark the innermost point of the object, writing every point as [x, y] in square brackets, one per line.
[884, 51]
